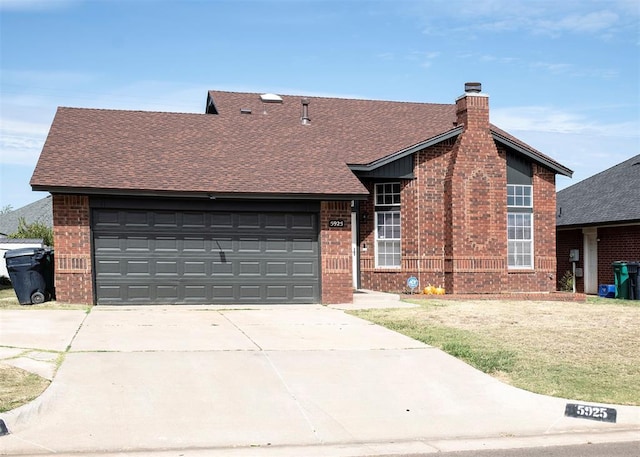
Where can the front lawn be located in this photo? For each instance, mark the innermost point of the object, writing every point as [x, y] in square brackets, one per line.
[582, 351]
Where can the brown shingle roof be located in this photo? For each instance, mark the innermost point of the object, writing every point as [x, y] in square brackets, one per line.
[231, 152]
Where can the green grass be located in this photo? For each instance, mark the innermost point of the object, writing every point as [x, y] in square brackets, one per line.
[582, 351]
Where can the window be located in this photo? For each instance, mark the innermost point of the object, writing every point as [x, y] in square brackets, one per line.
[519, 196]
[387, 199]
[388, 194]
[520, 226]
[520, 240]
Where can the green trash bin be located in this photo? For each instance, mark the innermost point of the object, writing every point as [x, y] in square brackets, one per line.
[621, 273]
[634, 280]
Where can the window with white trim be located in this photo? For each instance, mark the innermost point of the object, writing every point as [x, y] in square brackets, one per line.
[519, 196]
[519, 226]
[387, 230]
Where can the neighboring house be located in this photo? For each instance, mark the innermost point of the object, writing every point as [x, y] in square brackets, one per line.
[39, 211]
[600, 216]
[285, 199]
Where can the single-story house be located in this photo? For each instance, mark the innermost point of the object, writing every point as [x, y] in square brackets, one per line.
[39, 211]
[600, 217]
[269, 198]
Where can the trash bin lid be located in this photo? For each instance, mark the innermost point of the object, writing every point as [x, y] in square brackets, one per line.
[22, 252]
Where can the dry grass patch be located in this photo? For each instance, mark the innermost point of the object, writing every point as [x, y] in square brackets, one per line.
[8, 300]
[18, 387]
[583, 351]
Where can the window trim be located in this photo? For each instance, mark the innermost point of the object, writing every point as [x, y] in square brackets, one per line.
[521, 186]
[393, 208]
[530, 241]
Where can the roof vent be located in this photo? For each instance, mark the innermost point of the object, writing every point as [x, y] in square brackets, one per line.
[245, 111]
[472, 88]
[306, 120]
[271, 98]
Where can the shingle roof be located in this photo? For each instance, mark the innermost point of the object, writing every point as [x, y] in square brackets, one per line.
[231, 152]
[609, 197]
[39, 211]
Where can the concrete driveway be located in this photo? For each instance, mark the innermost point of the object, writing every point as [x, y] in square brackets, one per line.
[288, 380]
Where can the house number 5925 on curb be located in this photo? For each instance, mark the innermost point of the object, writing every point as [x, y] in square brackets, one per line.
[597, 413]
[336, 223]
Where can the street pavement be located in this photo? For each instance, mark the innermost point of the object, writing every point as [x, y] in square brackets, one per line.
[264, 380]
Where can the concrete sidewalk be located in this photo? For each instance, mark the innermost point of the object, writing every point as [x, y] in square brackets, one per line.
[277, 380]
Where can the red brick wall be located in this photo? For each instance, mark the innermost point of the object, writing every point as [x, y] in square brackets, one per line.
[454, 218]
[335, 251]
[614, 244]
[475, 203]
[72, 241]
[566, 240]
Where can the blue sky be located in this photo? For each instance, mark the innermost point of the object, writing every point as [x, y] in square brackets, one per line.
[562, 76]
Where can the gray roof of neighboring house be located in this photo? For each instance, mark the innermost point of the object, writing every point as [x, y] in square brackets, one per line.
[39, 211]
[610, 197]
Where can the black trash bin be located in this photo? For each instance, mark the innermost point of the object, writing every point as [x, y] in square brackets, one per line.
[634, 285]
[25, 267]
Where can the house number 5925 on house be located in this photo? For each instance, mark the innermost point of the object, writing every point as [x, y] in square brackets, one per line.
[336, 223]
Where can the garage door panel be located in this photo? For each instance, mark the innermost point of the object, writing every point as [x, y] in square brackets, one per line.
[304, 245]
[167, 268]
[303, 292]
[167, 293]
[205, 257]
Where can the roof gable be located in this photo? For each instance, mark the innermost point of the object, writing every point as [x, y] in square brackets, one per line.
[605, 198]
[246, 146]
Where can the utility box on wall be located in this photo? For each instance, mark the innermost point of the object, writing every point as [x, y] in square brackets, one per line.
[574, 255]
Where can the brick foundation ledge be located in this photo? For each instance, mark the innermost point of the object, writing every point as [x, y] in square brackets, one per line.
[519, 296]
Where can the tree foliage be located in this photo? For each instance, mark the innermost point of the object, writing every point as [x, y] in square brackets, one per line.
[34, 230]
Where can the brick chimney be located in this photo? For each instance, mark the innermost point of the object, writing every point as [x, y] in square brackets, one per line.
[475, 194]
[472, 108]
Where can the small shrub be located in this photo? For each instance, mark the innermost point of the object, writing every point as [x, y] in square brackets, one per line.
[33, 230]
[566, 282]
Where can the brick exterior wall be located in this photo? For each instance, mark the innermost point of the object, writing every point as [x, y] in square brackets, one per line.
[453, 217]
[614, 244]
[72, 241]
[335, 251]
[566, 240]
[475, 205]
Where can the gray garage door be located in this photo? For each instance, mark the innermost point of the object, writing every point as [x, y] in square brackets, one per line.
[155, 256]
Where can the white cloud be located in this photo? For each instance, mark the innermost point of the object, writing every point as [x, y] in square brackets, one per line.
[553, 120]
[573, 139]
[21, 142]
[578, 23]
[549, 17]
